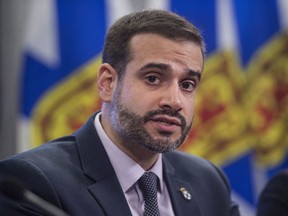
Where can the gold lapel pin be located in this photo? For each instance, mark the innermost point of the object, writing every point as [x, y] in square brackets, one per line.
[185, 193]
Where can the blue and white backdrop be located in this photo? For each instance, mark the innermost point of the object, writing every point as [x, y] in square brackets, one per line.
[242, 107]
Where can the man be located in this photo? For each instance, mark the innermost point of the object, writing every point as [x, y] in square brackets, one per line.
[152, 65]
[274, 198]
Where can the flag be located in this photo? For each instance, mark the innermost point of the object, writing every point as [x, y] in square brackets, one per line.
[241, 117]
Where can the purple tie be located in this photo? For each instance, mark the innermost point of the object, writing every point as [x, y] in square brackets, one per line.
[148, 186]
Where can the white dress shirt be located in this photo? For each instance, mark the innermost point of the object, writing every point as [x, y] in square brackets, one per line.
[128, 173]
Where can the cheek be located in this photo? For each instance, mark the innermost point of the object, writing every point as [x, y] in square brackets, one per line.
[137, 101]
[189, 109]
[131, 97]
[126, 92]
[191, 113]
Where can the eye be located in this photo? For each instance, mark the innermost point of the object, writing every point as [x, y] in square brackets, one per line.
[152, 79]
[188, 86]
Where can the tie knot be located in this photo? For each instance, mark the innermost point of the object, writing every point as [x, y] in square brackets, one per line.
[148, 185]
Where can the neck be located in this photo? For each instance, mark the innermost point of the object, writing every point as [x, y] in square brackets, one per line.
[142, 156]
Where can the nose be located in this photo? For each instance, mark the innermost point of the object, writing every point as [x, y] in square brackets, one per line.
[171, 98]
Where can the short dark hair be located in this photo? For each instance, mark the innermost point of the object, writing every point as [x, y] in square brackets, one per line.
[117, 51]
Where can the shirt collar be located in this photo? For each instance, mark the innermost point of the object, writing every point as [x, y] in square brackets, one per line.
[127, 170]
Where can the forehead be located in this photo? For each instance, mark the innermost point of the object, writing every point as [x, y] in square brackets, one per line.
[147, 48]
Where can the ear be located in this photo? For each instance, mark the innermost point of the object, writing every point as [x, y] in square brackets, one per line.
[107, 82]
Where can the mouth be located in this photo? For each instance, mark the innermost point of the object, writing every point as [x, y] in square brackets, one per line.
[166, 120]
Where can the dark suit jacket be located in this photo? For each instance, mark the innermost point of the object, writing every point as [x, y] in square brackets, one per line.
[274, 198]
[75, 174]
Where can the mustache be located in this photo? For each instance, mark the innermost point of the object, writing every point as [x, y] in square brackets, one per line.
[167, 112]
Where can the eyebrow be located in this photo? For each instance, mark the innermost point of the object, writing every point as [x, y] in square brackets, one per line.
[194, 73]
[166, 67]
[161, 66]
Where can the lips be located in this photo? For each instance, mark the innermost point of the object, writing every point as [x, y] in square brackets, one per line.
[166, 120]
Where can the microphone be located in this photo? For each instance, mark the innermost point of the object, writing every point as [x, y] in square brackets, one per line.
[14, 190]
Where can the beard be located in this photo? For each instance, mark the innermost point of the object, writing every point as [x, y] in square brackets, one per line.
[131, 127]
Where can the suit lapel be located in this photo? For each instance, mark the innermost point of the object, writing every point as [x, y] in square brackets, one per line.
[110, 196]
[97, 166]
[180, 191]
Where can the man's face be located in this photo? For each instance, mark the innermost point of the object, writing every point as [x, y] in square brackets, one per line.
[153, 105]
